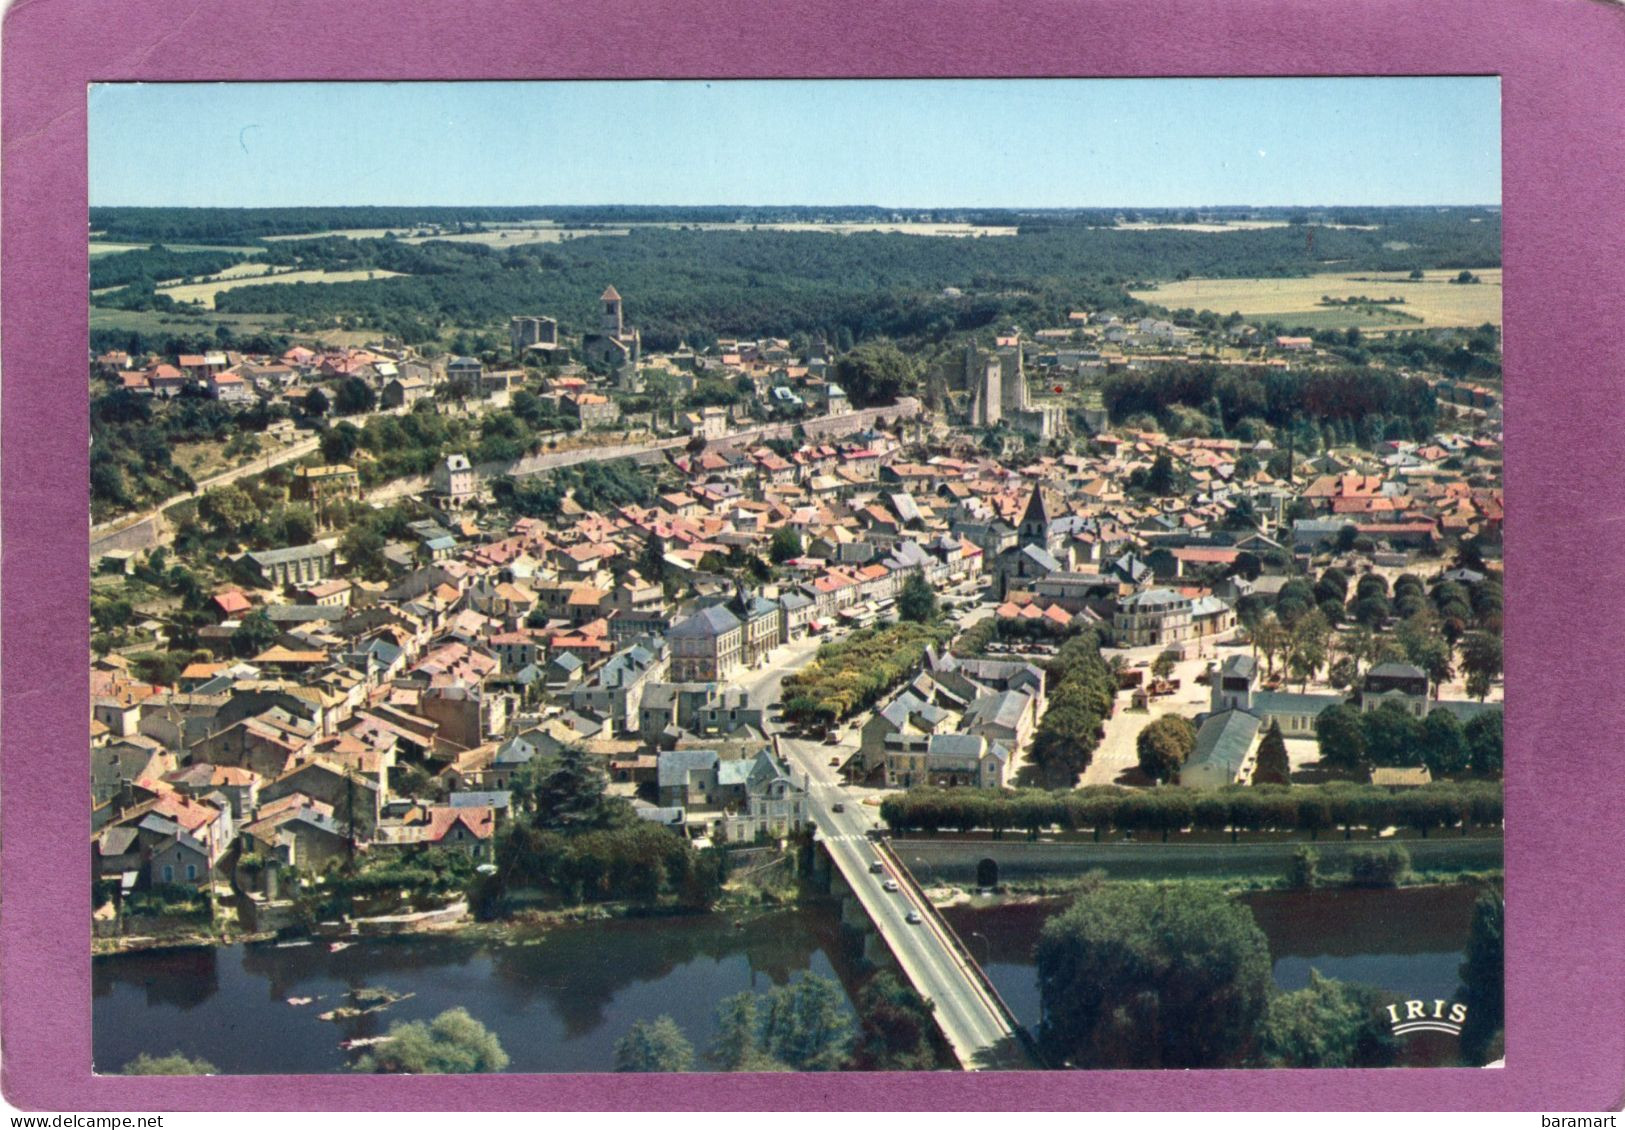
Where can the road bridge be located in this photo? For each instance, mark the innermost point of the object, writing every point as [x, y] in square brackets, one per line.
[979, 1027]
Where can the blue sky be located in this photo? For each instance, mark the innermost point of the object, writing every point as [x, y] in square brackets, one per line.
[919, 143]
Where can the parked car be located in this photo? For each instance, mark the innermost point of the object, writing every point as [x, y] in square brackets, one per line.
[838, 807]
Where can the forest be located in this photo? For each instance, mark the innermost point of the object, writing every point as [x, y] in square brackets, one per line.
[690, 285]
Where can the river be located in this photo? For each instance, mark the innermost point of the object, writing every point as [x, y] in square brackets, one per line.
[558, 1001]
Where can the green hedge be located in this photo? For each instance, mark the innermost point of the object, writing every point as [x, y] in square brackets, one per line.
[1305, 808]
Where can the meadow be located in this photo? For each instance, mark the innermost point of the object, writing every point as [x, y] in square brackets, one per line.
[1296, 301]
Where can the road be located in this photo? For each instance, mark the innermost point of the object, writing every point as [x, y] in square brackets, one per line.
[976, 1028]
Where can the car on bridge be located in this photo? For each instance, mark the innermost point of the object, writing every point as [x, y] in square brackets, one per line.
[877, 868]
[913, 918]
[889, 885]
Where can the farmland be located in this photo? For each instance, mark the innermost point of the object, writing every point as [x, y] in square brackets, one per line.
[202, 293]
[101, 247]
[1434, 299]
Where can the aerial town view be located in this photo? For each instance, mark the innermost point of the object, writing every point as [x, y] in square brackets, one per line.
[829, 576]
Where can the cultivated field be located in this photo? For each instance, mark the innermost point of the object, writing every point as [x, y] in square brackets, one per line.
[100, 247]
[1434, 299]
[202, 293]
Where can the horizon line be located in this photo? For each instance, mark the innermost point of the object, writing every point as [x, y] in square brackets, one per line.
[731, 204]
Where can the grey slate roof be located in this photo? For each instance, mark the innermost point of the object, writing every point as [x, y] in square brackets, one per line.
[263, 557]
[491, 798]
[674, 766]
[1283, 702]
[1224, 740]
[707, 623]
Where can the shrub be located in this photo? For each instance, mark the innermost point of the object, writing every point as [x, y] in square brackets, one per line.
[1379, 867]
[1300, 873]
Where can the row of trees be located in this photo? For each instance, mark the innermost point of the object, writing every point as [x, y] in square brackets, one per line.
[853, 674]
[1454, 623]
[1305, 808]
[1082, 691]
[1391, 735]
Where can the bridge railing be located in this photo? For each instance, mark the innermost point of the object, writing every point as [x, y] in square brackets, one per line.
[1006, 1014]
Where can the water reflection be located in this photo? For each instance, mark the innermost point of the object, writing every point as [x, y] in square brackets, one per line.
[557, 1002]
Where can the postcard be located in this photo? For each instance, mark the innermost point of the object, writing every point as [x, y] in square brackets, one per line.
[872, 580]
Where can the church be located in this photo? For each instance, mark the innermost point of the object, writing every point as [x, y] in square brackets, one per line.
[615, 346]
[1036, 553]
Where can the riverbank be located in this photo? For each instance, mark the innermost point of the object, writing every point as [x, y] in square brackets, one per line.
[739, 904]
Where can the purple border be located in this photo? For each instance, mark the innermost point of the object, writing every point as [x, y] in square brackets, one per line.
[1564, 103]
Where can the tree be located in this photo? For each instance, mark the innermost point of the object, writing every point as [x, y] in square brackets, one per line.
[1483, 984]
[1371, 610]
[1481, 660]
[1152, 977]
[917, 602]
[354, 395]
[738, 1044]
[654, 1046]
[1341, 737]
[1163, 745]
[1301, 873]
[785, 546]
[172, 1064]
[1332, 585]
[453, 1043]
[1274, 768]
[1271, 638]
[340, 442]
[1159, 480]
[316, 403]
[255, 634]
[1393, 735]
[1306, 648]
[573, 795]
[1327, 1024]
[1483, 737]
[229, 509]
[896, 1027]
[806, 1025]
[875, 373]
[1343, 673]
[1444, 744]
[1163, 665]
